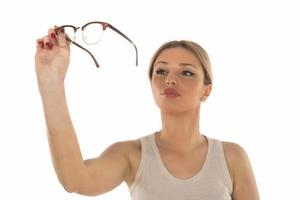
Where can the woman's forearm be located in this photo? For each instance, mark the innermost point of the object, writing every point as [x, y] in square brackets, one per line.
[64, 147]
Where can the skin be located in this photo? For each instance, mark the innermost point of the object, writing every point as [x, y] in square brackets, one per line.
[179, 140]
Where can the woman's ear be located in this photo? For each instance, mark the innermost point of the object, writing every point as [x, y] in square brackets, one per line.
[206, 92]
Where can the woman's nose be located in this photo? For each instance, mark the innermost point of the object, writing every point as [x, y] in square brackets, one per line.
[170, 81]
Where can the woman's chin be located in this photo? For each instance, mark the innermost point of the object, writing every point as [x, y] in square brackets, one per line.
[178, 109]
[172, 110]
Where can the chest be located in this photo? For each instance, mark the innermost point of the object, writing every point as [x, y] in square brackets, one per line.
[179, 165]
[183, 165]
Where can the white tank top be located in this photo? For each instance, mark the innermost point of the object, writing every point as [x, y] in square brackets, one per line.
[153, 181]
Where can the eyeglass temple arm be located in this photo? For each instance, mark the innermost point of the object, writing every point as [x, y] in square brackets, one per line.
[127, 38]
[78, 45]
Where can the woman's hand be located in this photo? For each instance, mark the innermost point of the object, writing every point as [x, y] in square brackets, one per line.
[52, 58]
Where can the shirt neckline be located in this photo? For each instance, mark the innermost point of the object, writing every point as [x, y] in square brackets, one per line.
[167, 173]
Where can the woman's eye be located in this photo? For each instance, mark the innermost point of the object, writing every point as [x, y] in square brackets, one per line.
[163, 72]
[187, 73]
[160, 71]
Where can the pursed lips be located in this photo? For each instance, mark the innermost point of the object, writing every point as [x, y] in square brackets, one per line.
[170, 92]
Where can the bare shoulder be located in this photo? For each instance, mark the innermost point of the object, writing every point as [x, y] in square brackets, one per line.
[234, 152]
[132, 149]
[127, 145]
[128, 148]
[235, 155]
[241, 172]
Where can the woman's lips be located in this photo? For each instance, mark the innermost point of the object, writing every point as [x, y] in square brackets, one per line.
[169, 92]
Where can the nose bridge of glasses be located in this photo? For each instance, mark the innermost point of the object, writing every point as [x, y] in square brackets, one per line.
[104, 25]
[69, 30]
[75, 32]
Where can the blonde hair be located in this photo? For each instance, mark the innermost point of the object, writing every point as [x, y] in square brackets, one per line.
[194, 48]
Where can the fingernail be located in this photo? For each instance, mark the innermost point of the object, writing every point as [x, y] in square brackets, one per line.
[41, 43]
[48, 45]
[53, 35]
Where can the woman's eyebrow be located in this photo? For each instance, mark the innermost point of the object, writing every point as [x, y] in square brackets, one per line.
[187, 64]
[161, 62]
[181, 64]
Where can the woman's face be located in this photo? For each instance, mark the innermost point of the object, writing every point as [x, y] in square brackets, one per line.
[178, 69]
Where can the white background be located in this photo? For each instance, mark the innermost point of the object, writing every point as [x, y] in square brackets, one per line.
[254, 48]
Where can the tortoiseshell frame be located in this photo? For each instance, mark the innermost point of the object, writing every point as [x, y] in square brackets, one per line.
[104, 26]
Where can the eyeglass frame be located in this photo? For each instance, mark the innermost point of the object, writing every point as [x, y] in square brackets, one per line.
[104, 26]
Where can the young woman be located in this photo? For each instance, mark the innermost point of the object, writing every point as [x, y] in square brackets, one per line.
[176, 162]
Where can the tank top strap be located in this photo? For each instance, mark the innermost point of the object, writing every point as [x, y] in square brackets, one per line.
[219, 163]
[146, 155]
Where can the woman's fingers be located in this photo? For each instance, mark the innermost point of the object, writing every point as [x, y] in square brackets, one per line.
[39, 44]
[52, 36]
[61, 37]
[47, 42]
[52, 55]
[55, 36]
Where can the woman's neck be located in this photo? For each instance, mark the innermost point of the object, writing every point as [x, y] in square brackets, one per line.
[180, 131]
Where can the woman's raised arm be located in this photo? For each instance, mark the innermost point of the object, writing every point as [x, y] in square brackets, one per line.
[90, 177]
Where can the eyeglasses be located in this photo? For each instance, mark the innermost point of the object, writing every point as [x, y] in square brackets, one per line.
[91, 35]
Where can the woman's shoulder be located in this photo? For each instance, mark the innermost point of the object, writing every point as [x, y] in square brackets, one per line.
[241, 172]
[232, 149]
[128, 146]
[234, 153]
[133, 145]
[132, 148]
[236, 158]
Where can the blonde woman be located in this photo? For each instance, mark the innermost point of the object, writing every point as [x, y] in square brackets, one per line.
[176, 162]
